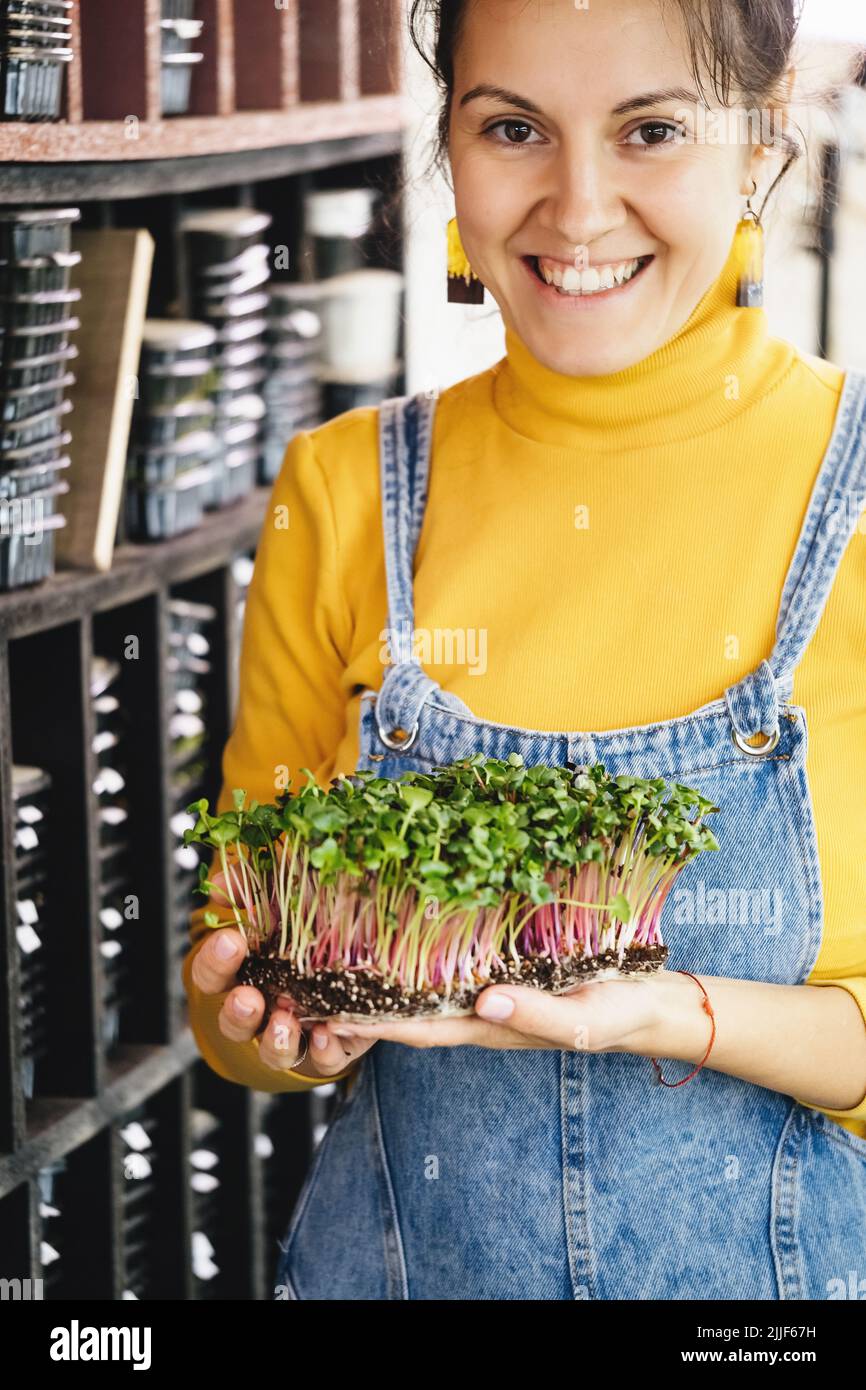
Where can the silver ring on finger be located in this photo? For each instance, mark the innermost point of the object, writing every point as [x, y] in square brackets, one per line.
[298, 1060]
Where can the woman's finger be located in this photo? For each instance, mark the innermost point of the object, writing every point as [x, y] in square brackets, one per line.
[330, 1054]
[216, 963]
[429, 1032]
[280, 1045]
[242, 1013]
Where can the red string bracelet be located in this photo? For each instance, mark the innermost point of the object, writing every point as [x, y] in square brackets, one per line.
[708, 1008]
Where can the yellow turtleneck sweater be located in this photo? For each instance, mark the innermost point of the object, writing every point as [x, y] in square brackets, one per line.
[708, 449]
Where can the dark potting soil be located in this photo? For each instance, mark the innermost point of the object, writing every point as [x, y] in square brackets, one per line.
[363, 992]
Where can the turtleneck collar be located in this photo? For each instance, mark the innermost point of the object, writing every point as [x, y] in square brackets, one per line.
[717, 365]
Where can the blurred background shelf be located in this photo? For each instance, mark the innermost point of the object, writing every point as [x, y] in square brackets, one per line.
[124, 174]
[69, 595]
[129, 1169]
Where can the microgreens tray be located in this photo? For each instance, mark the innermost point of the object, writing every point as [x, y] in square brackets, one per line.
[404, 896]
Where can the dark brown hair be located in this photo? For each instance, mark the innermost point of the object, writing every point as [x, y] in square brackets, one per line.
[743, 46]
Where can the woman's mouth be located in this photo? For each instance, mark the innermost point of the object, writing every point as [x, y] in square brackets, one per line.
[560, 282]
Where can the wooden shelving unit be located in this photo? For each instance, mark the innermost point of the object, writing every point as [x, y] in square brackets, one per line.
[273, 74]
[279, 85]
[289, 97]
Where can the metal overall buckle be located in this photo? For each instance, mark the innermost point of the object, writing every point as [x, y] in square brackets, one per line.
[767, 747]
[398, 739]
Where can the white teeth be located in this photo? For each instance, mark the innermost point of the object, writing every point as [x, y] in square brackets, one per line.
[592, 281]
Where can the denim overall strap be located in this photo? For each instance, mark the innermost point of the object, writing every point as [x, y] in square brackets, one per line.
[837, 500]
[405, 436]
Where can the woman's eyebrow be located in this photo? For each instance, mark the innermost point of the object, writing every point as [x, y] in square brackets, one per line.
[485, 89]
[659, 98]
[638, 103]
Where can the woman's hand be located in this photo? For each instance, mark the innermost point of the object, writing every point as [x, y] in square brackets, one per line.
[599, 1016]
[214, 971]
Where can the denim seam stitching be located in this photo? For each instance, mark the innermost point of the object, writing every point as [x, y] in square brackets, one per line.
[577, 1237]
[310, 1181]
[784, 1192]
[393, 1246]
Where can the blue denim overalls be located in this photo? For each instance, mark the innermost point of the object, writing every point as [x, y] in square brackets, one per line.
[469, 1173]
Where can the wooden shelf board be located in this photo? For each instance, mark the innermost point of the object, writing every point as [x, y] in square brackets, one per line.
[84, 181]
[179, 137]
[137, 570]
[58, 1126]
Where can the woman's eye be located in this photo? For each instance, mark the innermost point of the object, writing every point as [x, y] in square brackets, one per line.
[520, 126]
[658, 133]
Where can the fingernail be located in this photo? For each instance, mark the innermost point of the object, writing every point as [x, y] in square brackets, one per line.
[495, 1006]
[320, 1038]
[225, 948]
[244, 1010]
[344, 1033]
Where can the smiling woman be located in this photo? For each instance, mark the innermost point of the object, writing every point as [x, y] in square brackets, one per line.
[638, 505]
[582, 166]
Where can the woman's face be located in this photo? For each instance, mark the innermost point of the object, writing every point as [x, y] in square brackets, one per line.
[578, 165]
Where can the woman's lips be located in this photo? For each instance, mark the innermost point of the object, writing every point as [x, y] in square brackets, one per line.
[581, 301]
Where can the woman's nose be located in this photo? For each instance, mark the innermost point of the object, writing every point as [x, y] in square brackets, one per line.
[582, 200]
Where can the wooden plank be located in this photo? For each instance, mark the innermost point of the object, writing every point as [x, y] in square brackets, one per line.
[120, 60]
[324, 28]
[137, 570]
[73, 100]
[59, 1124]
[213, 81]
[381, 56]
[117, 179]
[188, 137]
[349, 49]
[265, 36]
[114, 279]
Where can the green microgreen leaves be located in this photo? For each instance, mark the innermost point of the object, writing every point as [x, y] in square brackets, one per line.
[515, 860]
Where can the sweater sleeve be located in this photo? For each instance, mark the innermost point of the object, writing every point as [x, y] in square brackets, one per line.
[856, 986]
[291, 711]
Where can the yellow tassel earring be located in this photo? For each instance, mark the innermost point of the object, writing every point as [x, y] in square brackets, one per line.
[749, 250]
[464, 286]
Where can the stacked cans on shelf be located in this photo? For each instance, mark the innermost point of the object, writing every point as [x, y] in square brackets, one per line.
[293, 392]
[174, 461]
[37, 319]
[227, 267]
[34, 53]
[360, 305]
[189, 669]
[31, 790]
[109, 788]
[179, 31]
